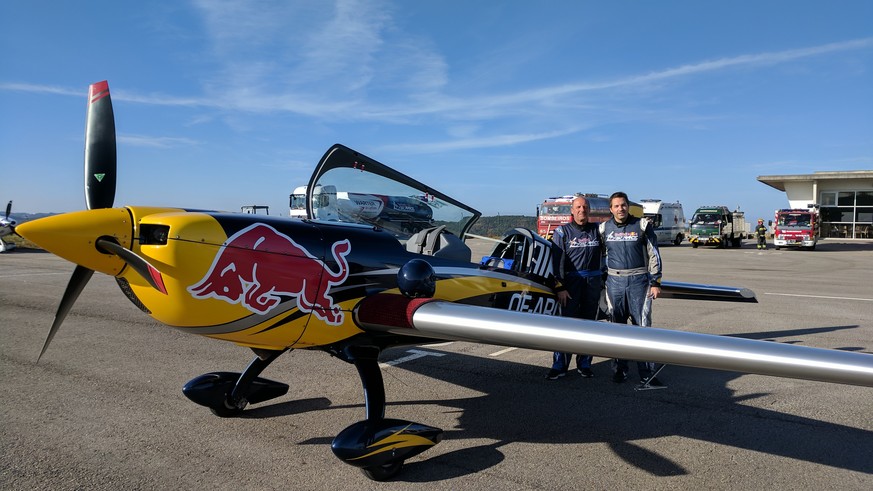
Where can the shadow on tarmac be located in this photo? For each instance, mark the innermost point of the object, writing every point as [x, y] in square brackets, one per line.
[698, 404]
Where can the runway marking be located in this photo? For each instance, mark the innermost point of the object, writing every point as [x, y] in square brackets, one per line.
[437, 345]
[820, 296]
[415, 354]
[498, 353]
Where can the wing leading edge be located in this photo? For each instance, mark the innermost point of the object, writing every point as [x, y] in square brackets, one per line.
[451, 321]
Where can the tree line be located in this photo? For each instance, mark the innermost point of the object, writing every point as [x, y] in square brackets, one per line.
[498, 225]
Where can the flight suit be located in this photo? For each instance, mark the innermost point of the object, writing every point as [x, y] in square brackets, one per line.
[577, 255]
[634, 265]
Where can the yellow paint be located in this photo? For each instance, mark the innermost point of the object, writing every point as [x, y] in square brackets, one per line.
[73, 236]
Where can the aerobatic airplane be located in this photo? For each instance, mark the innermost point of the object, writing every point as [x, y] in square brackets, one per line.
[272, 284]
[7, 227]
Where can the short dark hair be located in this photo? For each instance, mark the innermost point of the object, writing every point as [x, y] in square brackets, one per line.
[618, 194]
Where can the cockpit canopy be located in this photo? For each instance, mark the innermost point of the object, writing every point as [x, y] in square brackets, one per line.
[350, 187]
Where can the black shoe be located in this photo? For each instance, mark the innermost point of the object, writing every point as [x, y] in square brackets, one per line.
[555, 374]
[585, 372]
[619, 376]
[653, 382]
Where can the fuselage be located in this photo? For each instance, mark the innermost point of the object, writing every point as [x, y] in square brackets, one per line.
[268, 282]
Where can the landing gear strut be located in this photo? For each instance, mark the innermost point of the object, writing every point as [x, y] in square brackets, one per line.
[377, 445]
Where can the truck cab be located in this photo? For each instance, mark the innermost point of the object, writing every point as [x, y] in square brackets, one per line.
[796, 228]
[717, 226]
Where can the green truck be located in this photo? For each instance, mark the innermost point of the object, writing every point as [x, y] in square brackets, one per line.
[717, 226]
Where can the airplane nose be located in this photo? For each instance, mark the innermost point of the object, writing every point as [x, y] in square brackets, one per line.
[73, 236]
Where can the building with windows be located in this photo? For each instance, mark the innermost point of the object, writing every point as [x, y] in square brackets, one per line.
[845, 199]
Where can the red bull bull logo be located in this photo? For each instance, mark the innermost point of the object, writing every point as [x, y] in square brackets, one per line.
[258, 265]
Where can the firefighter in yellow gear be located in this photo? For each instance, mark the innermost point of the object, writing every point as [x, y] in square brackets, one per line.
[761, 233]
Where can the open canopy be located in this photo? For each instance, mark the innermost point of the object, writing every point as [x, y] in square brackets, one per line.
[350, 187]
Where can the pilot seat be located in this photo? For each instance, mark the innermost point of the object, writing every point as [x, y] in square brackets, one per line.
[439, 242]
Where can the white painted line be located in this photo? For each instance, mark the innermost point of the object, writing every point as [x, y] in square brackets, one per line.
[498, 353]
[437, 345]
[821, 296]
[415, 354]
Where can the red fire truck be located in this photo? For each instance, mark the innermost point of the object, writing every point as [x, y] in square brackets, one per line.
[555, 211]
[796, 228]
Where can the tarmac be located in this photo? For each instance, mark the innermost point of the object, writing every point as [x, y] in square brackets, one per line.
[103, 409]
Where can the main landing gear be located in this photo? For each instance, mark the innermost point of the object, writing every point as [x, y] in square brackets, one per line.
[227, 394]
[379, 446]
[376, 445]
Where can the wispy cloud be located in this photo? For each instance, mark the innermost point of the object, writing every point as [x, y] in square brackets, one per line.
[155, 141]
[481, 142]
[262, 95]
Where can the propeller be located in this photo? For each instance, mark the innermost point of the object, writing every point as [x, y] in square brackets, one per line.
[135, 261]
[80, 278]
[100, 155]
[6, 221]
[100, 183]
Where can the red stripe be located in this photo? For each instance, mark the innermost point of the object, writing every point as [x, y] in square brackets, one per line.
[98, 91]
[158, 278]
[389, 310]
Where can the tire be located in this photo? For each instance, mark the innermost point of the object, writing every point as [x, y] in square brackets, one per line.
[694, 245]
[226, 412]
[678, 240]
[383, 472]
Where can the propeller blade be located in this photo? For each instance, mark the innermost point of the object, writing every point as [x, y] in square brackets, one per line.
[100, 155]
[80, 278]
[8, 209]
[140, 265]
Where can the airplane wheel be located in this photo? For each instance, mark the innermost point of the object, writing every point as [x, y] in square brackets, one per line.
[226, 412]
[383, 472]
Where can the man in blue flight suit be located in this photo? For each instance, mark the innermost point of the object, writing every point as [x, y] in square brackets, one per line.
[577, 256]
[634, 275]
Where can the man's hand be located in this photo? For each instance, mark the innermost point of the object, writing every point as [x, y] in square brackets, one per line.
[563, 296]
[654, 292]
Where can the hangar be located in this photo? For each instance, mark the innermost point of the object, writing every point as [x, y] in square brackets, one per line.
[844, 197]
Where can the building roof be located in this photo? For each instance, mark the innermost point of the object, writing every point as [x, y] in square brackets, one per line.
[778, 182]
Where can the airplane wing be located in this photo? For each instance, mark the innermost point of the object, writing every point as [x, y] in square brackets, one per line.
[452, 321]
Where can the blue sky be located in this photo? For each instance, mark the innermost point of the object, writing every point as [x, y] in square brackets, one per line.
[220, 104]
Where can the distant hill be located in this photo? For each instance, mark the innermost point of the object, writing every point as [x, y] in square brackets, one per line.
[26, 217]
[497, 226]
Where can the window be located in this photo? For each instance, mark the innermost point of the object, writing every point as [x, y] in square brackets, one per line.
[828, 199]
[846, 198]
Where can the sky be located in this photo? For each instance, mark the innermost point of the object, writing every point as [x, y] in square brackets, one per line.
[220, 104]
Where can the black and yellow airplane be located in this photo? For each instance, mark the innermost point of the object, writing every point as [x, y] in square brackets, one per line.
[401, 275]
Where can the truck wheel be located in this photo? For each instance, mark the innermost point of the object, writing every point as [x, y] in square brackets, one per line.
[694, 245]
[678, 239]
